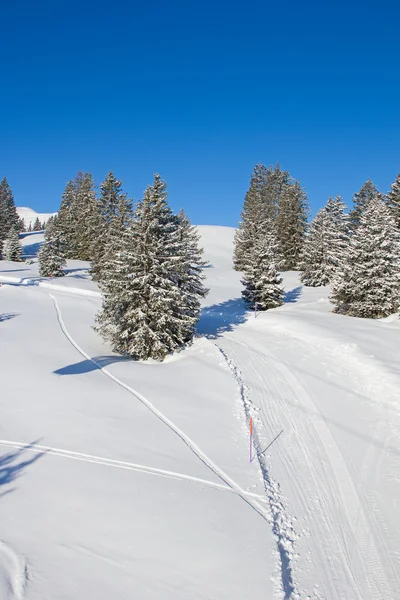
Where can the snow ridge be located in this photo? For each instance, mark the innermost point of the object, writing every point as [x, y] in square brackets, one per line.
[13, 574]
[282, 526]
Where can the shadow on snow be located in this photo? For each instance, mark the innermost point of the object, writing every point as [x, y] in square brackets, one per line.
[13, 464]
[220, 318]
[7, 316]
[86, 366]
[293, 295]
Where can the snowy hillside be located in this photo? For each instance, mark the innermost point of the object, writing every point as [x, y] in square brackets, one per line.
[122, 479]
[30, 215]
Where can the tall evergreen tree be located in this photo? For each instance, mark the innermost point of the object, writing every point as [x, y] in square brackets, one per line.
[262, 284]
[368, 284]
[259, 211]
[51, 254]
[8, 213]
[145, 314]
[115, 213]
[314, 256]
[367, 192]
[87, 215]
[393, 200]
[12, 246]
[66, 222]
[292, 225]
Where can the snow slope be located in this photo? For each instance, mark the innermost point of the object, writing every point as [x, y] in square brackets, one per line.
[29, 215]
[135, 477]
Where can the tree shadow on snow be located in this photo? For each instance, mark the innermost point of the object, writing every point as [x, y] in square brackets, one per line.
[7, 316]
[219, 318]
[31, 250]
[293, 295]
[11, 270]
[14, 463]
[86, 366]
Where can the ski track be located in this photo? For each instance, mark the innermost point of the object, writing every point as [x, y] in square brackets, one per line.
[13, 574]
[330, 502]
[119, 464]
[164, 419]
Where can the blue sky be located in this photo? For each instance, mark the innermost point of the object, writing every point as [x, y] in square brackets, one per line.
[200, 92]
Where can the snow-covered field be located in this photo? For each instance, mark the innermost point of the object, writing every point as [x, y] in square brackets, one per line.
[132, 480]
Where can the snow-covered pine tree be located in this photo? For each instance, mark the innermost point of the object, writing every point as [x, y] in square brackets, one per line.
[66, 221]
[87, 219]
[21, 227]
[115, 213]
[189, 271]
[337, 235]
[314, 259]
[259, 211]
[393, 200]
[12, 246]
[144, 313]
[51, 255]
[262, 283]
[37, 226]
[8, 213]
[30, 227]
[360, 201]
[368, 285]
[291, 225]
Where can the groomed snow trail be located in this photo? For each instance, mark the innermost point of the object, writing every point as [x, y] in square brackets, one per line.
[181, 434]
[344, 560]
[119, 464]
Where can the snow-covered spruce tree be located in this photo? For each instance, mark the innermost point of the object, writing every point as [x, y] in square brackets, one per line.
[259, 211]
[360, 202]
[262, 283]
[314, 259]
[21, 227]
[115, 212]
[291, 225]
[87, 218]
[8, 213]
[368, 285]
[66, 221]
[337, 235]
[37, 226]
[51, 254]
[144, 312]
[393, 200]
[189, 270]
[12, 246]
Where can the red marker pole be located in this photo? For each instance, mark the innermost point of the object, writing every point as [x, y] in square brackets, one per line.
[251, 439]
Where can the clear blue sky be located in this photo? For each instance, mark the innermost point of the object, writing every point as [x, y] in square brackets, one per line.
[199, 91]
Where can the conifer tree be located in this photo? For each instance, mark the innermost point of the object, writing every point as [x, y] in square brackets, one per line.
[87, 219]
[8, 213]
[262, 284]
[367, 192]
[66, 222]
[393, 200]
[259, 211]
[12, 246]
[30, 227]
[314, 257]
[145, 314]
[368, 284]
[115, 212]
[291, 225]
[51, 254]
[37, 226]
[337, 235]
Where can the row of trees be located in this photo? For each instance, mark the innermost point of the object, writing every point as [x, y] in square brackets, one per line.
[357, 253]
[147, 261]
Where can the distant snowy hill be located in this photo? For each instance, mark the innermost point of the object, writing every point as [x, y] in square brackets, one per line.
[29, 215]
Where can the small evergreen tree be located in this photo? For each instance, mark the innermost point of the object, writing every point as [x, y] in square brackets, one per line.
[367, 192]
[30, 227]
[262, 284]
[12, 246]
[292, 225]
[8, 213]
[21, 227]
[51, 255]
[393, 200]
[37, 226]
[368, 283]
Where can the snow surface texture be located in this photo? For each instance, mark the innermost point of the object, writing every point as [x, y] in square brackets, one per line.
[132, 480]
[30, 215]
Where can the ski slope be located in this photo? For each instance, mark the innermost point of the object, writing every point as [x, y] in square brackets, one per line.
[121, 479]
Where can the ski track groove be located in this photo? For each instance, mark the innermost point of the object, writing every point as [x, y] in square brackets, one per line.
[361, 563]
[164, 419]
[119, 464]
